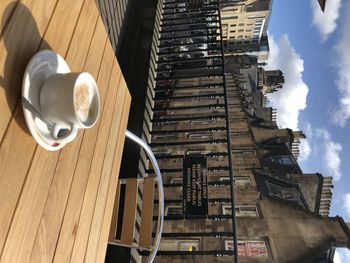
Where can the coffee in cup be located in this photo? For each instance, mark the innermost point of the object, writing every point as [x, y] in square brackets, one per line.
[70, 99]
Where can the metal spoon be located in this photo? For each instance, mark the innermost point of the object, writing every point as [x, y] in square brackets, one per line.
[62, 133]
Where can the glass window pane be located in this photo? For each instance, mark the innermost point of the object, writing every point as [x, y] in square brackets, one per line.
[241, 210]
[248, 248]
[242, 181]
[229, 245]
[175, 209]
[256, 248]
[168, 245]
[179, 245]
[242, 250]
[189, 245]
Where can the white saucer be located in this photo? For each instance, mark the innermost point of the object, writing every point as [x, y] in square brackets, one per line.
[42, 65]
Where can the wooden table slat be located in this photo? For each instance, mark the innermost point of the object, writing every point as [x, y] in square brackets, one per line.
[70, 223]
[112, 192]
[94, 180]
[107, 176]
[49, 228]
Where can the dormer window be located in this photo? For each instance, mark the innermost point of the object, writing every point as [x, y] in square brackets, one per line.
[284, 160]
[287, 193]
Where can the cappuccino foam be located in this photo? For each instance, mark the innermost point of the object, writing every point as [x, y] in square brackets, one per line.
[82, 101]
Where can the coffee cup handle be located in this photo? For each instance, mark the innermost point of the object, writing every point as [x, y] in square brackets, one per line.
[69, 132]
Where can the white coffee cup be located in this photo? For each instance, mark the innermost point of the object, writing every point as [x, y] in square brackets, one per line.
[70, 101]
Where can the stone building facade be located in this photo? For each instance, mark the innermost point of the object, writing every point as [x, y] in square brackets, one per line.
[277, 207]
[244, 27]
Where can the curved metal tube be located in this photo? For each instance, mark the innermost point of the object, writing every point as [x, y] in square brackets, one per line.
[159, 181]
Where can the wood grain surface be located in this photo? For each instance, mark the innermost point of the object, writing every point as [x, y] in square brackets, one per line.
[58, 206]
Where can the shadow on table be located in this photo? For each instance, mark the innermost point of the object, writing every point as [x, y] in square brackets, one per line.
[22, 39]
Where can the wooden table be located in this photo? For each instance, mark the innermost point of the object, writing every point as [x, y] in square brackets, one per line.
[57, 206]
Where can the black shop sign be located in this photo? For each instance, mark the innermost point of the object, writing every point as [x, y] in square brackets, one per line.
[195, 186]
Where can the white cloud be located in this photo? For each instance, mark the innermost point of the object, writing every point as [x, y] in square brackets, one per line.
[347, 204]
[337, 258]
[326, 22]
[308, 130]
[291, 99]
[305, 147]
[342, 255]
[342, 61]
[322, 133]
[331, 153]
[332, 159]
[305, 150]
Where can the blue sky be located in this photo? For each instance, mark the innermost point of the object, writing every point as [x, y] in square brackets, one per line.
[313, 50]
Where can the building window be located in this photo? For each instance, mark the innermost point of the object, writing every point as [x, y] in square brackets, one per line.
[199, 122]
[168, 123]
[200, 136]
[247, 152]
[229, 17]
[179, 245]
[224, 179]
[242, 181]
[252, 248]
[286, 193]
[230, 9]
[176, 180]
[257, 18]
[241, 210]
[196, 152]
[229, 245]
[173, 209]
[241, 134]
[162, 153]
[248, 248]
[285, 160]
[167, 136]
[238, 180]
[246, 211]
[226, 210]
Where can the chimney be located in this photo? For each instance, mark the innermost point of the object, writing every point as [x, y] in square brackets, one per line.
[299, 135]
